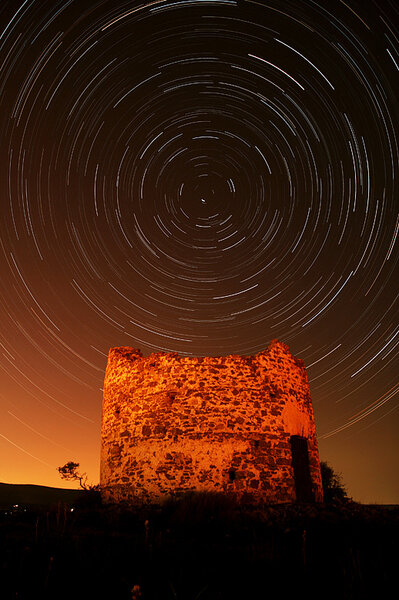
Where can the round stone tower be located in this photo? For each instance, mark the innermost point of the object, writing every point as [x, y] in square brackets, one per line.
[238, 425]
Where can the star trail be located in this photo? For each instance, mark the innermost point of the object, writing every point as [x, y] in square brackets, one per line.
[198, 176]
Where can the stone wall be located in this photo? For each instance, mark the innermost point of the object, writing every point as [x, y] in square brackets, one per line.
[173, 424]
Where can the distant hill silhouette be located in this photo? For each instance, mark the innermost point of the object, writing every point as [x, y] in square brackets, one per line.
[35, 495]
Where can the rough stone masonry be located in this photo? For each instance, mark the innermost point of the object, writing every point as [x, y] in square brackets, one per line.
[238, 425]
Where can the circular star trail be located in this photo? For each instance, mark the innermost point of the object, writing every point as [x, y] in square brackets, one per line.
[201, 177]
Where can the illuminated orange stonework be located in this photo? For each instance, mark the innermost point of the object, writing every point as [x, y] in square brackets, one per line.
[173, 424]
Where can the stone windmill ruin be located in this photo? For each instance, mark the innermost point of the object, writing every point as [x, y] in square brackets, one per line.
[239, 425]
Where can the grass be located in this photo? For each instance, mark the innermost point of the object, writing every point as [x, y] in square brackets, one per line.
[202, 547]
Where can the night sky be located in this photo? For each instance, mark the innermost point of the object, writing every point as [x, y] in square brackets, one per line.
[202, 177]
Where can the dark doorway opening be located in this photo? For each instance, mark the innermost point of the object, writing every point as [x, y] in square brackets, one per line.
[300, 465]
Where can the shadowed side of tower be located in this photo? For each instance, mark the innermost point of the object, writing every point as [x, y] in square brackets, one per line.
[239, 425]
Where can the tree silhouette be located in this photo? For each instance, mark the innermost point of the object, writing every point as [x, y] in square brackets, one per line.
[70, 472]
[333, 488]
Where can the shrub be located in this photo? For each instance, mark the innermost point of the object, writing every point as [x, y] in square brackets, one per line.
[333, 488]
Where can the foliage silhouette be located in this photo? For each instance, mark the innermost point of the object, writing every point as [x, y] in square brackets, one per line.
[70, 472]
[333, 487]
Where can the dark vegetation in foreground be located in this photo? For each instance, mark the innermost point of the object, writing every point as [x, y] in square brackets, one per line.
[202, 547]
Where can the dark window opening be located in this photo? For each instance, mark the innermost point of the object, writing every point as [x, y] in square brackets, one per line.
[256, 444]
[300, 465]
[232, 475]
